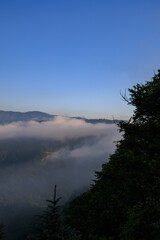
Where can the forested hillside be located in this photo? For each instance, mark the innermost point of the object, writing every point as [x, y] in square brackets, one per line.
[124, 201]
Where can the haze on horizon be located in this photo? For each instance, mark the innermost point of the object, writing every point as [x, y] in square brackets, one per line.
[74, 57]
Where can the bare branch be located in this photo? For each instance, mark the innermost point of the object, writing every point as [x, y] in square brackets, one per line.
[124, 97]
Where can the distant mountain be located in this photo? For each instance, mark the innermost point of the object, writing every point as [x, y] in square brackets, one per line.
[100, 120]
[10, 116]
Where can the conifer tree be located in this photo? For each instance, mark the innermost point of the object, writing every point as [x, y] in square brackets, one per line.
[51, 224]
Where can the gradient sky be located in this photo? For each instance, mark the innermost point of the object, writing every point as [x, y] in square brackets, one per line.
[73, 57]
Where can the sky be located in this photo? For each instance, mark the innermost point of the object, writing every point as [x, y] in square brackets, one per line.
[74, 57]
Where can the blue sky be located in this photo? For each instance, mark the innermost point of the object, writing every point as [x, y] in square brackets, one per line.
[73, 57]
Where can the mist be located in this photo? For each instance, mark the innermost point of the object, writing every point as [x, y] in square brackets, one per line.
[70, 167]
[60, 128]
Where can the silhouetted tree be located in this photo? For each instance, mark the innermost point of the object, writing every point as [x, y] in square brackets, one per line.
[124, 201]
[1, 231]
[51, 225]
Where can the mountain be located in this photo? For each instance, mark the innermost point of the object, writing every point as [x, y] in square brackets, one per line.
[10, 116]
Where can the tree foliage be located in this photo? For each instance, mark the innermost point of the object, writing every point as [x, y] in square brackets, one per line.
[1, 231]
[51, 224]
[124, 201]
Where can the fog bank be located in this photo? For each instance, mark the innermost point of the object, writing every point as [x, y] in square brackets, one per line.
[70, 167]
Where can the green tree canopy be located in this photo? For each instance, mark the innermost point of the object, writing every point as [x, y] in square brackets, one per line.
[124, 201]
[1, 231]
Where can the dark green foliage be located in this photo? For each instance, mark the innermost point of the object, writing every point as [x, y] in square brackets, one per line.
[124, 201]
[51, 226]
[1, 231]
[143, 221]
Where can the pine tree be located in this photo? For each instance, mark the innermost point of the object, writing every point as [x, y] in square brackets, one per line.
[51, 224]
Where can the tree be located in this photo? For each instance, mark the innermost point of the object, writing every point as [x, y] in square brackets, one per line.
[51, 226]
[1, 231]
[124, 201]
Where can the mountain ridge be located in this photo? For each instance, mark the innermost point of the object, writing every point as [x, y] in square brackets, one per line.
[7, 117]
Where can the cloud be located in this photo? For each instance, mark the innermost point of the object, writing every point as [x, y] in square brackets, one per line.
[60, 128]
[70, 167]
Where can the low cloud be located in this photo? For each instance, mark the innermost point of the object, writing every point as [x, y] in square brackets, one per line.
[60, 128]
[71, 168]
